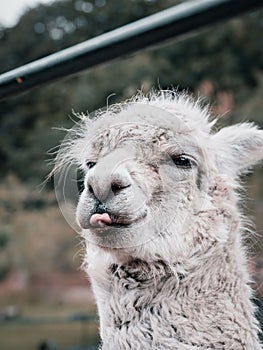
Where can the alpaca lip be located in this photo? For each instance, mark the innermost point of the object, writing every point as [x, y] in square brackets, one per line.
[104, 221]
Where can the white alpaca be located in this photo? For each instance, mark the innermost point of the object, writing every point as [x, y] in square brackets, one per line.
[162, 227]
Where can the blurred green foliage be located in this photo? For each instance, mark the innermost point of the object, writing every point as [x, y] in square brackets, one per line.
[228, 55]
[4, 262]
[4, 238]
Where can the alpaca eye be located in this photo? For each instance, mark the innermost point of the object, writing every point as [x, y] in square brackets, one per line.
[90, 164]
[182, 161]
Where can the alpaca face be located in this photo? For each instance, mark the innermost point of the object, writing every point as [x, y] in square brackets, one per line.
[158, 179]
[143, 186]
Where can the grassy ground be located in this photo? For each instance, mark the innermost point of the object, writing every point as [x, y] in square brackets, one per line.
[29, 337]
[59, 327]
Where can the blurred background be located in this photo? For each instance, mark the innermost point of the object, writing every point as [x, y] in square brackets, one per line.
[45, 298]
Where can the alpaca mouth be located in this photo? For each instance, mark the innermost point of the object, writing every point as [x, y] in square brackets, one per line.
[100, 220]
[106, 220]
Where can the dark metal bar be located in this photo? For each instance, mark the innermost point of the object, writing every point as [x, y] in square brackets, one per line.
[154, 29]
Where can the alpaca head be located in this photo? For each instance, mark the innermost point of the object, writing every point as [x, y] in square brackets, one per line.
[152, 172]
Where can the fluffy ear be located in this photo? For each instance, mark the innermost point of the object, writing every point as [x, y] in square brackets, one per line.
[238, 147]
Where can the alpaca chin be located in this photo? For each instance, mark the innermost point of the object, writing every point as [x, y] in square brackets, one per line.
[124, 237]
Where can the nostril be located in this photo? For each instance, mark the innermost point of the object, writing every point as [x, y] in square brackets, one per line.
[90, 189]
[117, 187]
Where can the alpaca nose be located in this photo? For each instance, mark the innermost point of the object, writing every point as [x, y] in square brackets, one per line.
[102, 185]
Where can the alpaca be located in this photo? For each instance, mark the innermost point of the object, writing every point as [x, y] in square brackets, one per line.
[161, 224]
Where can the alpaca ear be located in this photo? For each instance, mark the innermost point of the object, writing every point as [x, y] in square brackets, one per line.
[238, 147]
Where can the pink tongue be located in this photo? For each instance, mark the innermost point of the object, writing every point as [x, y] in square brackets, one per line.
[100, 220]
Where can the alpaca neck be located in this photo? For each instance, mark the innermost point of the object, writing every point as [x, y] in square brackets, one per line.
[155, 299]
